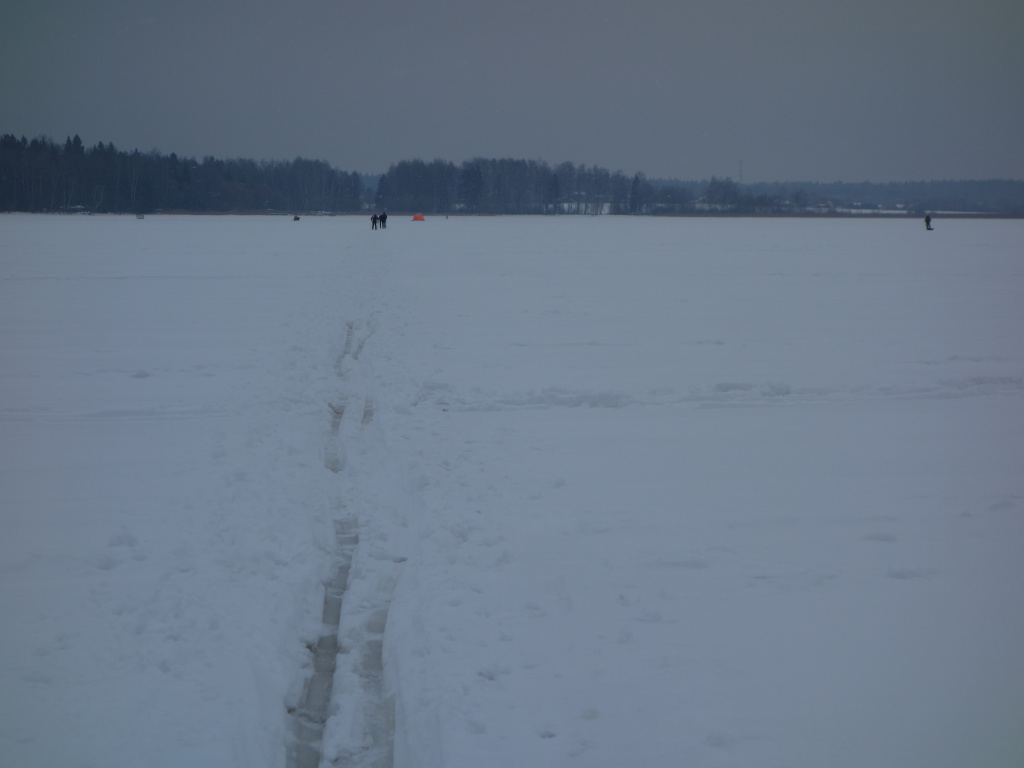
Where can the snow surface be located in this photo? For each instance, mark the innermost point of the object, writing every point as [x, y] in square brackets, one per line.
[628, 491]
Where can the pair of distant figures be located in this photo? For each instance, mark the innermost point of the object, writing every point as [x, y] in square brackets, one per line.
[381, 219]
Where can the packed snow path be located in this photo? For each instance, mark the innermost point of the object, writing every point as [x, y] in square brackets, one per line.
[610, 491]
[361, 699]
[311, 714]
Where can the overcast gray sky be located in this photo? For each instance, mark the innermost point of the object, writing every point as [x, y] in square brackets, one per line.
[775, 90]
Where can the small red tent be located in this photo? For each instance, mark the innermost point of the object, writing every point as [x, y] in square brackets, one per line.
[418, 217]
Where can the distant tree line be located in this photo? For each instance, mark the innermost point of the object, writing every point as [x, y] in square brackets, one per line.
[997, 197]
[528, 186]
[40, 175]
[483, 186]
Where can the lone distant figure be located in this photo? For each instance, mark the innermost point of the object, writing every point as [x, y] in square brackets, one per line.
[928, 222]
[383, 219]
[373, 221]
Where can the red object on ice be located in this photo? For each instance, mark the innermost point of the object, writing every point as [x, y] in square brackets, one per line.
[418, 217]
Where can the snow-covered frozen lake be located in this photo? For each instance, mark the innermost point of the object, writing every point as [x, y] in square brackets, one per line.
[616, 491]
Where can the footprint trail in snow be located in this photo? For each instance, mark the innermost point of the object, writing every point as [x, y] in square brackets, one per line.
[344, 717]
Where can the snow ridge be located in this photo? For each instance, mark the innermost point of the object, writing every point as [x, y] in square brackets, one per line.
[721, 394]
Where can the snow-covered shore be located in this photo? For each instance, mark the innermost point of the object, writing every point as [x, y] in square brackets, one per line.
[627, 491]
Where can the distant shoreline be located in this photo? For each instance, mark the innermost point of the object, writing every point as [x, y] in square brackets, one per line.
[890, 215]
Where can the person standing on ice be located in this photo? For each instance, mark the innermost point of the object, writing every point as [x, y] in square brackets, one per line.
[373, 221]
[383, 219]
[928, 221]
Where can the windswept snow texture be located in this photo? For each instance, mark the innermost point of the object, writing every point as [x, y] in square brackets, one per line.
[625, 491]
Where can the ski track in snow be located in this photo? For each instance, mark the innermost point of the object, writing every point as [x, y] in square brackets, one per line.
[306, 745]
[345, 690]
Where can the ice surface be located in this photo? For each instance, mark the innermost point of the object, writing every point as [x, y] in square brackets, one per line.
[627, 491]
